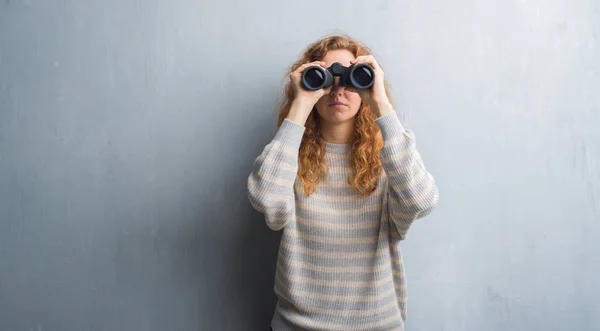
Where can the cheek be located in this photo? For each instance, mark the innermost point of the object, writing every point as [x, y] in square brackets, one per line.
[321, 105]
[354, 100]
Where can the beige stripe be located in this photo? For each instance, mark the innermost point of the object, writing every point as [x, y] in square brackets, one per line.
[413, 180]
[331, 240]
[402, 140]
[415, 200]
[340, 171]
[333, 283]
[271, 163]
[406, 169]
[397, 273]
[401, 226]
[354, 268]
[392, 157]
[345, 198]
[341, 211]
[398, 216]
[345, 156]
[343, 298]
[332, 326]
[338, 226]
[336, 184]
[280, 147]
[264, 196]
[342, 255]
[271, 179]
[401, 288]
[347, 313]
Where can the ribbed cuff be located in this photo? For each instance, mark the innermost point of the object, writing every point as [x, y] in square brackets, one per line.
[390, 125]
[290, 133]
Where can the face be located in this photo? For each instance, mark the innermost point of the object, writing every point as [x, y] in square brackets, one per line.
[339, 105]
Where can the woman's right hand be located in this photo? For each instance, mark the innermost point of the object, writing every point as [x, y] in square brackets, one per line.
[304, 100]
[302, 94]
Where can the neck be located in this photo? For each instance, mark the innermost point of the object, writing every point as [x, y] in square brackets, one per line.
[339, 133]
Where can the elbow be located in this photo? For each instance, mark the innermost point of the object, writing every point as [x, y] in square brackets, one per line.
[277, 210]
[278, 218]
[428, 204]
[424, 205]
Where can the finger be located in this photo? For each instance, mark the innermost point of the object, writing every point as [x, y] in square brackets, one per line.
[362, 59]
[306, 65]
[367, 59]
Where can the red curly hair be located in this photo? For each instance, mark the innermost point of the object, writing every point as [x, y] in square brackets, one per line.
[366, 142]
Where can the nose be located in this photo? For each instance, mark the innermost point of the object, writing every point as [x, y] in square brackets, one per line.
[337, 87]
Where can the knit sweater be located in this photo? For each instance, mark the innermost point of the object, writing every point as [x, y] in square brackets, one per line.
[339, 263]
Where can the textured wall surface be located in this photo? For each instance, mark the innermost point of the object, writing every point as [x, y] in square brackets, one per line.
[128, 129]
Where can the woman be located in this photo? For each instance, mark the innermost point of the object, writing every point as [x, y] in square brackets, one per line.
[343, 180]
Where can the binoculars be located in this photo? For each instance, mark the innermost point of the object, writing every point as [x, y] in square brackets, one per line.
[357, 75]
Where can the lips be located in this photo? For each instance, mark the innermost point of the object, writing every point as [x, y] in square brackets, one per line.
[336, 104]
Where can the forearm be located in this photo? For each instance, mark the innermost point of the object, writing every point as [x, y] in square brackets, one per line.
[413, 191]
[299, 111]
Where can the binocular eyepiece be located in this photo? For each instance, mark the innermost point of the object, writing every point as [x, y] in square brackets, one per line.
[357, 75]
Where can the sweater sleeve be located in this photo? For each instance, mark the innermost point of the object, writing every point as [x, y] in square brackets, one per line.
[271, 183]
[412, 192]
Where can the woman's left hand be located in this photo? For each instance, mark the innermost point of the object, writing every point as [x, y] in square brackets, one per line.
[374, 96]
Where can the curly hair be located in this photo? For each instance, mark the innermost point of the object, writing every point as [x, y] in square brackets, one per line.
[366, 142]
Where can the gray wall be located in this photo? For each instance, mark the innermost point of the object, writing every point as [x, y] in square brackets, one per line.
[128, 129]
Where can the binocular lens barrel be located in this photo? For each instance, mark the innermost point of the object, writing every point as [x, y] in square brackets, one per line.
[362, 77]
[314, 78]
[358, 75]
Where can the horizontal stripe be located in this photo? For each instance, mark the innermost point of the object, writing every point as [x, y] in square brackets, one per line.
[339, 240]
[331, 269]
[376, 257]
[416, 196]
[344, 196]
[306, 250]
[339, 157]
[393, 155]
[350, 210]
[334, 262]
[347, 291]
[341, 233]
[311, 323]
[258, 187]
[403, 181]
[263, 178]
[336, 283]
[342, 218]
[352, 323]
[346, 313]
[340, 298]
[278, 147]
[361, 225]
[272, 163]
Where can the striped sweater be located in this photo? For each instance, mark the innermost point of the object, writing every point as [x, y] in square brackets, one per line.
[339, 264]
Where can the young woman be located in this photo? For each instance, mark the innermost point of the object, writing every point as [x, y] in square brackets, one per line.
[343, 180]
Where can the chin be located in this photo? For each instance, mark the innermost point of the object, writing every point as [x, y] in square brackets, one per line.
[340, 117]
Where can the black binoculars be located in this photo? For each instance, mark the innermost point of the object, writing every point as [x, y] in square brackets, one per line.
[357, 75]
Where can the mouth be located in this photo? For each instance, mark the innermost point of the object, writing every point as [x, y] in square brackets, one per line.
[337, 105]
